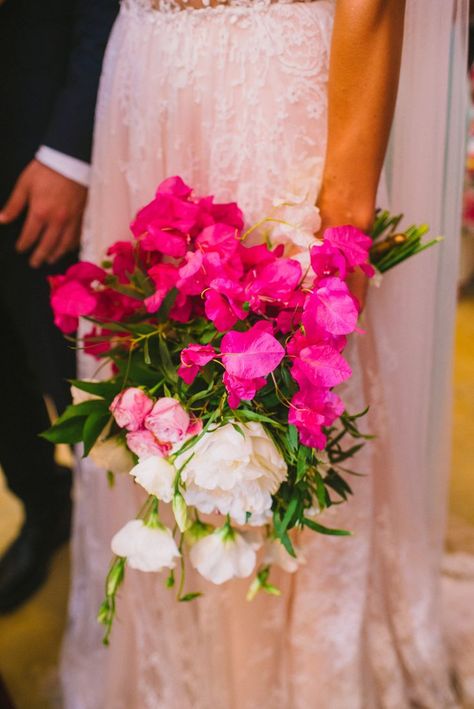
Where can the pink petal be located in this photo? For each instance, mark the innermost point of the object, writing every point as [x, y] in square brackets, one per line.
[331, 307]
[251, 354]
[73, 299]
[320, 366]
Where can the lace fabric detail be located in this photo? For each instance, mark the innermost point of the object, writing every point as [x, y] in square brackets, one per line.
[151, 6]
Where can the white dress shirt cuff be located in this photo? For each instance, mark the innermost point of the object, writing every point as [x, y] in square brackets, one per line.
[66, 165]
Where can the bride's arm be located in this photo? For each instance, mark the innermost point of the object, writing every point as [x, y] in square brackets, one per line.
[363, 80]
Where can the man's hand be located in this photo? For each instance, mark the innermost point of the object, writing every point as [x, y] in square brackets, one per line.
[55, 208]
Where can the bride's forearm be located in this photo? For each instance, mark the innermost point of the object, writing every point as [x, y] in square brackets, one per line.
[363, 81]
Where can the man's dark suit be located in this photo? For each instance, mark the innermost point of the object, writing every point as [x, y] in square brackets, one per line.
[50, 61]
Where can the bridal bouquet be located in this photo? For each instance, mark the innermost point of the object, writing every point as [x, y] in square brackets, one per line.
[219, 399]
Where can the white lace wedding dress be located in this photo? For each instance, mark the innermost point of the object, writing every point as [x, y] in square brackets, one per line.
[233, 99]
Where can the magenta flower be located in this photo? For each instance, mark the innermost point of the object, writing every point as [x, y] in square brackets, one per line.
[130, 407]
[310, 411]
[353, 244]
[85, 272]
[70, 301]
[164, 276]
[222, 310]
[326, 261]
[320, 366]
[251, 354]
[331, 307]
[275, 280]
[170, 243]
[166, 212]
[193, 358]
[123, 260]
[174, 186]
[239, 389]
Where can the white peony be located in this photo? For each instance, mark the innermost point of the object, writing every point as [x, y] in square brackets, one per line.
[233, 474]
[146, 548]
[275, 553]
[156, 475]
[112, 454]
[224, 554]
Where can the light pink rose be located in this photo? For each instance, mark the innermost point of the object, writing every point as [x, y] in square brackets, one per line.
[144, 444]
[130, 407]
[168, 421]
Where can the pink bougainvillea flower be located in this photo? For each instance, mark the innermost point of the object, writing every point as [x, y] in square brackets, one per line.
[73, 299]
[315, 336]
[97, 342]
[113, 306]
[130, 407]
[144, 444]
[123, 259]
[85, 272]
[331, 307]
[259, 255]
[354, 244]
[164, 276]
[251, 354]
[167, 420]
[192, 277]
[222, 310]
[326, 261]
[312, 409]
[228, 213]
[239, 388]
[275, 280]
[174, 186]
[182, 308]
[320, 366]
[220, 238]
[193, 358]
[165, 212]
[166, 241]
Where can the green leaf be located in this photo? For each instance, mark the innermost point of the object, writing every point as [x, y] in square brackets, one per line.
[167, 304]
[106, 390]
[190, 597]
[68, 431]
[302, 462]
[316, 527]
[290, 510]
[166, 362]
[255, 416]
[93, 427]
[83, 409]
[292, 436]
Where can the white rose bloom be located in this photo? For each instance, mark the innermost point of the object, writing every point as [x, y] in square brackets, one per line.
[233, 474]
[113, 455]
[146, 548]
[224, 554]
[275, 553]
[156, 475]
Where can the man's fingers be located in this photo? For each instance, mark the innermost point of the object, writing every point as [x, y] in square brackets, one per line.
[15, 204]
[30, 233]
[49, 241]
[67, 242]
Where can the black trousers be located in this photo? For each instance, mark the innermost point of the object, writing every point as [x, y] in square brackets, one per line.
[35, 359]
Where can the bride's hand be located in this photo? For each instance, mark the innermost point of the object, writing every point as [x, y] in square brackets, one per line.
[358, 285]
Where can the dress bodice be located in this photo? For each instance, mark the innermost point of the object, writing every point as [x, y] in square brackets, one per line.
[177, 5]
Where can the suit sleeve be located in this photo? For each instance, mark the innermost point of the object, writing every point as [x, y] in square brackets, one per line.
[70, 128]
